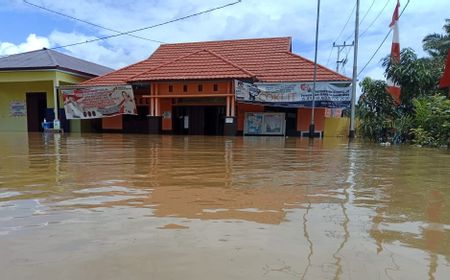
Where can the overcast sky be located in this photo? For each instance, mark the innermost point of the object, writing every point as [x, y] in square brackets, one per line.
[26, 28]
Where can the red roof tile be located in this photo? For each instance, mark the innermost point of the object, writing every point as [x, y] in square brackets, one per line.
[269, 59]
[202, 64]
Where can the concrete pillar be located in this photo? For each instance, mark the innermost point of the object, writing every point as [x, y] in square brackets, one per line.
[55, 98]
[152, 101]
[230, 126]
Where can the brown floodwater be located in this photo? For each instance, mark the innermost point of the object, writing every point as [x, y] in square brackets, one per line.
[113, 206]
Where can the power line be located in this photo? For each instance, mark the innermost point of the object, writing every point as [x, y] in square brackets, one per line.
[87, 22]
[363, 18]
[376, 18]
[369, 26]
[340, 33]
[346, 23]
[367, 12]
[329, 56]
[384, 40]
[151, 26]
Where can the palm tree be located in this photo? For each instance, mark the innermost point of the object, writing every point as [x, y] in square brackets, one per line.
[437, 45]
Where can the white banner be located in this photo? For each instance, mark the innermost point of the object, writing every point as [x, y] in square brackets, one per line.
[98, 102]
[327, 95]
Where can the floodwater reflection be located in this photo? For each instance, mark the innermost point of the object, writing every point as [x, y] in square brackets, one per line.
[113, 206]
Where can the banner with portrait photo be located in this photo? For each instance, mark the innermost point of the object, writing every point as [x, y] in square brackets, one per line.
[294, 95]
[98, 102]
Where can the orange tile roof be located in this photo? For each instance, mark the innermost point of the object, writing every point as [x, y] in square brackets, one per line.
[202, 64]
[265, 60]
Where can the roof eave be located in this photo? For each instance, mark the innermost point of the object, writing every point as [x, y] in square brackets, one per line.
[8, 69]
[190, 78]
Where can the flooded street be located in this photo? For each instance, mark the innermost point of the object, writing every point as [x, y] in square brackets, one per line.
[113, 206]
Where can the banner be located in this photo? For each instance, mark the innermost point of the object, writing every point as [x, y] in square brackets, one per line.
[294, 95]
[98, 102]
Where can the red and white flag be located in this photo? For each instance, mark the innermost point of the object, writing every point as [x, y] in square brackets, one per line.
[393, 88]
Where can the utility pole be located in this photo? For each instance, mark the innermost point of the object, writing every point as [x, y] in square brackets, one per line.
[340, 49]
[351, 134]
[311, 125]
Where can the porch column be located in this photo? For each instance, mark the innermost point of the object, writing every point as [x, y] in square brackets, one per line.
[230, 126]
[157, 103]
[55, 97]
[154, 116]
[233, 106]
[152, 101]
[228, 106]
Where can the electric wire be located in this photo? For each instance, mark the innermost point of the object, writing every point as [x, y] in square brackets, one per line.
[87, 22]
[362, 20]
[346, 23]
[340, 33]
[149, 27]
[368, 27]
[375, 19]
[382, 42]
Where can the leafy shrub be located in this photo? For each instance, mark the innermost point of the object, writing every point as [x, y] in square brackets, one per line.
[431, 121]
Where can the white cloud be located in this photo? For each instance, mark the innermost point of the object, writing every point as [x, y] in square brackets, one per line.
[32, 43]
[250, 18]
[97, 52]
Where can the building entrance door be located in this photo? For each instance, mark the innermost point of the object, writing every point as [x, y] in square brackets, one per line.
[198, 120]
[36, 107]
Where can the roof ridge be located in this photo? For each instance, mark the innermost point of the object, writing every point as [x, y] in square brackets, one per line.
[318, 65]
[230, 40]
[231, 63]
[164, 64]
[47, 51]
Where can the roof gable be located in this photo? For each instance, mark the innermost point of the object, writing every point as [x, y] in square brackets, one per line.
[201, 64]
[50, 59]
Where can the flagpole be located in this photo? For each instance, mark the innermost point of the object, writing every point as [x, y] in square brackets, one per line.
[312, 125]
[355, 73]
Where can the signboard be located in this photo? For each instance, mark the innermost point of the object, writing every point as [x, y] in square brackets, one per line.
[98, 102]
[17, 109]
[294, 95]
[264, 124]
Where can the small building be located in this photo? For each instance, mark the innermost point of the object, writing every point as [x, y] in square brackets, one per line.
[28, 88]
[188, 88]
[445, 80]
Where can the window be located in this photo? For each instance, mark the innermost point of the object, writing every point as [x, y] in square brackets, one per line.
[215, 87]
[200, 87]
[170, 88]
[184, 88]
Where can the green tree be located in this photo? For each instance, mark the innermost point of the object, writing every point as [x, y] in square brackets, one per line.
[437, 45]
[417, 77]
[376, 111]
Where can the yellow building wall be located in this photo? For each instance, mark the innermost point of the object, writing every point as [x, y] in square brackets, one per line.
[69, 79]
[17, 92]
[26, 76]
[336, 127]
[15, 84]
